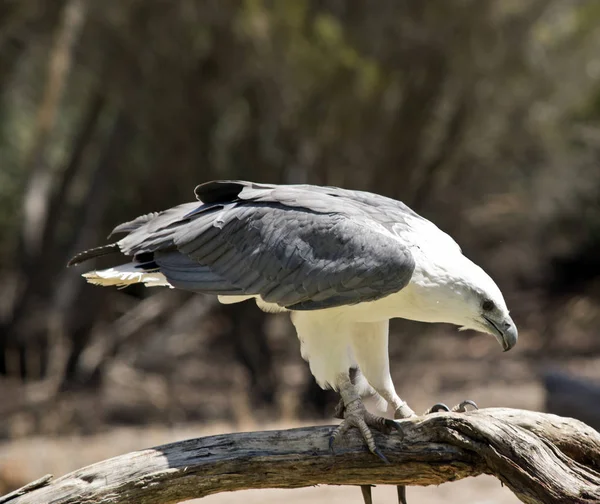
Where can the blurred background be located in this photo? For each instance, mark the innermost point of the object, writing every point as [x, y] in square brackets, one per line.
[483, 115]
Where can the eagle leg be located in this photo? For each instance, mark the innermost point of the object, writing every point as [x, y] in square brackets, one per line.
[348, 392]
[356, 415]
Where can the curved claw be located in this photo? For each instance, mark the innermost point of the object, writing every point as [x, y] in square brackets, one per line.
[459, 408]
[462, 407]
[437, 408]
[377, 452]
[337, 432]
[391, 424]
[358, 417]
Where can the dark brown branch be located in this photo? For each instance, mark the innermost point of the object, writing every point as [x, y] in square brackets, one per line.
[542, 458]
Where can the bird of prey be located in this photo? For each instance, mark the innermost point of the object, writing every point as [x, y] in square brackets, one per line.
[342, 262]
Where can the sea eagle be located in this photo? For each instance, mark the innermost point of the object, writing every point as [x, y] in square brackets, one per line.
[342, 262]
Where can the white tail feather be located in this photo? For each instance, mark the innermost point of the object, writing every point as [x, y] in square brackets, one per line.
[266, 307]
[126, 274]
[233, 299]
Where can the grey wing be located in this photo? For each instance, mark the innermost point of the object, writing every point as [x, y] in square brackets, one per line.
[301, 260]
[292, 247]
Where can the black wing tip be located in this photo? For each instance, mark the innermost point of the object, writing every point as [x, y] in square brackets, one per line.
[91, 253]
[223, 191]
[219, 191]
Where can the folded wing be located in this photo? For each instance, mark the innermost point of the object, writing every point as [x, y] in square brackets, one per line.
[293, 246]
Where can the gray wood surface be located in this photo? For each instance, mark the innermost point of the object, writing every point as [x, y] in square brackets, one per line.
[542, 458]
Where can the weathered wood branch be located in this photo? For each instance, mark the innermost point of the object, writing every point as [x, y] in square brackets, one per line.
[542, 458]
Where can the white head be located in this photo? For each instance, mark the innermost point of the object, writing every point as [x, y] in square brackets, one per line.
[460, 292]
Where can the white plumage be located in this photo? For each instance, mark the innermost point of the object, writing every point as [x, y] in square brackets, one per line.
[124, 275]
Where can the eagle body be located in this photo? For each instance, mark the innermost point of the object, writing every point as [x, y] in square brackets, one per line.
[342, 262]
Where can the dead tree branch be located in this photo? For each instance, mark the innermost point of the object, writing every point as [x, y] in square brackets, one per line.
[542, 458]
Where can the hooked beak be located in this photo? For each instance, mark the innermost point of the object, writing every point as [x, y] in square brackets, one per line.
[505, 331]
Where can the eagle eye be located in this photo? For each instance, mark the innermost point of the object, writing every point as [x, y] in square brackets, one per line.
[488, 305]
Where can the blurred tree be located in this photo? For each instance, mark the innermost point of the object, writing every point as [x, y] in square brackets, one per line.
[463, 109]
